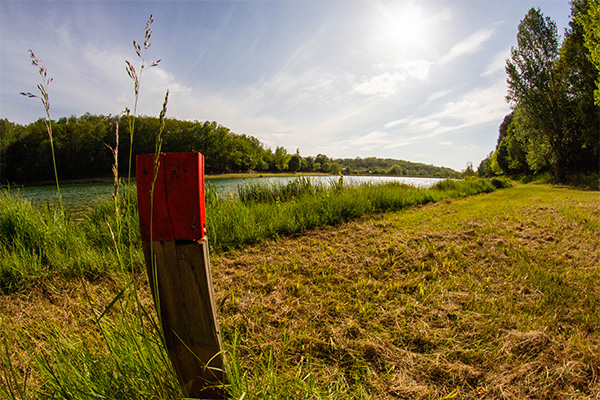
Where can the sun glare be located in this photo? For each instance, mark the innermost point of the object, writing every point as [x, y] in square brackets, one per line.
[405, 28]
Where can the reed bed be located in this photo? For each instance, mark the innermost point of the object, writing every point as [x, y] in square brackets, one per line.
[269, 211]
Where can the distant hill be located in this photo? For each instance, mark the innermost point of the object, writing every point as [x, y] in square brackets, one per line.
[389, 166]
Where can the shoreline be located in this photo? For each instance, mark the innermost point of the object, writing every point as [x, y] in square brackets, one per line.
[229, 175]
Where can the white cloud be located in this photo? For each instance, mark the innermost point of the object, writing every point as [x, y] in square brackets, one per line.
[373, 140]
[478, 106]
[370, 139]
[395, 144]
[380, 85]
[497, 65]
[470, 45]
[418, 69]
[387, 83]
[437, 95]
[397, 122]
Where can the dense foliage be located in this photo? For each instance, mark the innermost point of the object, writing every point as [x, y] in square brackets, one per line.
[590, 22]
[82, 150]
[388, 166]
[554, 124]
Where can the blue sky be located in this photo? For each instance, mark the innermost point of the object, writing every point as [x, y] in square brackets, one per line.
[422, 81]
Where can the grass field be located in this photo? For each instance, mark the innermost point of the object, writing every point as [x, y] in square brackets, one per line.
[493, 296]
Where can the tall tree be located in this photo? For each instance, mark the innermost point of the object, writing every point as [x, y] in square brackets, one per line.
[534, 87]
[590, 22]
[579, 76]
[503, 129]
[280, 159]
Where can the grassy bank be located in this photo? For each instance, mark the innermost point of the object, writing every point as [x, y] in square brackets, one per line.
[491, 296]
[38, 242]
[265, 212]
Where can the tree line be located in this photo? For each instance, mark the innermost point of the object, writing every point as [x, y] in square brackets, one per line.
[554, 92]
[84, 145]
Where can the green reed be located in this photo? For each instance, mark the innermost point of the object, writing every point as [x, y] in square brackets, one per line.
[268, 211]
[44, 97]
[113, 349]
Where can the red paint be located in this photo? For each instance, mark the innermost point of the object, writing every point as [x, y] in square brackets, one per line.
[178, 207]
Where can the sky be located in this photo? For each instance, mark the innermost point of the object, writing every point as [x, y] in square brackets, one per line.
[421, 81]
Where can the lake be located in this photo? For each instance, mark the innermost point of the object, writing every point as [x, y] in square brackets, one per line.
[80, 198]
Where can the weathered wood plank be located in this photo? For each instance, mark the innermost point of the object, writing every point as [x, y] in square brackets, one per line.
[173, 227]
[182, 288]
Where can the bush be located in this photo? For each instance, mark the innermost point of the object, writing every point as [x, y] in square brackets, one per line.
[501, 182]
[585, 181]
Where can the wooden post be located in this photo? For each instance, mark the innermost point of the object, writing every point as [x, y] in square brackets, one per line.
[176, 254]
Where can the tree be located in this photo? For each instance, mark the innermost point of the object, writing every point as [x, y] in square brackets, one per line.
[503, 129]
[335, 168]
[468, 171]
[485, 170]
[580, 75]
[308, 164]
[590, 22]
[536, 89]
[321, 159]
[295, 163]
[396, 170]
[280, 159]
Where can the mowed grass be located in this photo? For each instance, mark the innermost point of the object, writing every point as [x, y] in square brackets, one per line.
[491, 296]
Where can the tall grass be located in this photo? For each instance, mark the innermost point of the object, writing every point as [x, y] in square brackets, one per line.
[252, 191]
[137, 77]
[38, 242]
[45, 99]
[84, 349]
[113, 347]
[268, 211]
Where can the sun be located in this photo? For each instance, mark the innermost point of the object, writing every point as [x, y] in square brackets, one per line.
[405, 28]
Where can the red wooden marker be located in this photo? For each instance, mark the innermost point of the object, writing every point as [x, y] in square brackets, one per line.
[178, 209]
[176, 254]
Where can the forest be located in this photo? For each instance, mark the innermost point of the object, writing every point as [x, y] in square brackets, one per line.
[554, 92]
[84, 150]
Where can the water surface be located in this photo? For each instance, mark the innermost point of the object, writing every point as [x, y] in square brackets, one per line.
[81, 198]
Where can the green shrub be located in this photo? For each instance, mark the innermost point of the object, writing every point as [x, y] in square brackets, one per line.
[501, 182]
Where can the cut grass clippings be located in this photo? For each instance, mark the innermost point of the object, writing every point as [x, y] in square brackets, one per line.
[491, 296]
